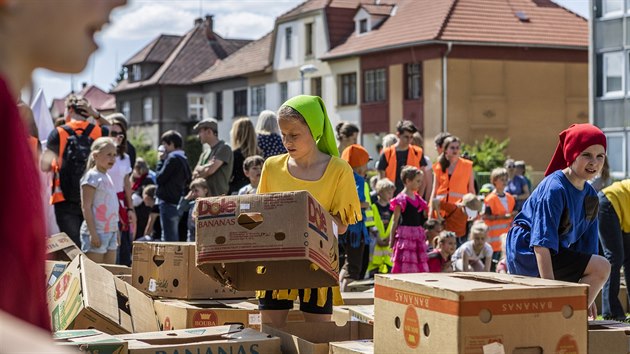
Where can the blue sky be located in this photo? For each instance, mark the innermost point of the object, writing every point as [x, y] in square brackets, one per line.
[143, 20]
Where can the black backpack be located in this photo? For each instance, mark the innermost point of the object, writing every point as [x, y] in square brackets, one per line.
[74, 162]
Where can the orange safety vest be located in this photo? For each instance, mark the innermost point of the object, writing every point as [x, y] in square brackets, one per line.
[414, 156]
[57, 194]
[452, 189]
[496, 228]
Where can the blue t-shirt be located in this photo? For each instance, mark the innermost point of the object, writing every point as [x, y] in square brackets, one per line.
[556, 216]
[515, 188]
[357, 232]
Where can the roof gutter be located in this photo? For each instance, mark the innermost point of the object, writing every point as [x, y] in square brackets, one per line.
[449, 47]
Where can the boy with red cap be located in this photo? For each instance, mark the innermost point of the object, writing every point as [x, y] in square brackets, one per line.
[555, 234]
[356, 238]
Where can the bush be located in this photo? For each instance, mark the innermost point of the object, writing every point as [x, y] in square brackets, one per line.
[144, 149]
[488, 154]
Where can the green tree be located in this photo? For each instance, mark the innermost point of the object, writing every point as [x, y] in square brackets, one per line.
[144, 149]
[487, 154]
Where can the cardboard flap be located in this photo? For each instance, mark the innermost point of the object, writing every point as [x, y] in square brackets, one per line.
[184, 335]
[99, 289]
[141, 310]
[62, 246]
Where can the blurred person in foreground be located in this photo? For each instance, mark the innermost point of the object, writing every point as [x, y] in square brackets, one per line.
[62, 43]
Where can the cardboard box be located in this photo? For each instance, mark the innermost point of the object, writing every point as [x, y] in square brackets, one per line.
[168, 269]
[622, 296]
[176, 314]
[88, 296]
[314, 337]
[358, 298]
[608, 337]
[344, 313]
[462, 312]
[60, 247]
[117, 269]
[352, 347]
[221, 339]
[360, 285]
[268, 241]
[90, 341]
[54, 269]
[126, 278]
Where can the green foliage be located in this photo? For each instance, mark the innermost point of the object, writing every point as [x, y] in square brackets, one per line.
[144, 149]
[487, 154]
[193, 149]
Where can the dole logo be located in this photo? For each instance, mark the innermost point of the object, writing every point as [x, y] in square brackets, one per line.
[316, 215]
[215, 208]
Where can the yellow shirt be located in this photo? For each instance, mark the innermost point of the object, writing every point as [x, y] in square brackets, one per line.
[619, 196]
[335, 191]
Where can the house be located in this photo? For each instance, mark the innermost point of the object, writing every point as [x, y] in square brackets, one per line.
[610, 88]
[159, 93]
[102, 101]
[470, 67]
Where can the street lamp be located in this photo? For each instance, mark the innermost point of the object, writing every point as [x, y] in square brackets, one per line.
[306, 69]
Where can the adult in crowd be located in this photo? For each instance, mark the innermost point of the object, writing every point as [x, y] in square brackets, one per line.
[244, 145]
[521, 170]
[215, 163]
[401, 154]
[614, 236]
[121, 177]
[516, 185]
[418, 140]
[452, 175]
[64, 47]
[439, 141]
[68, 149]
[268, 134]
[347, 134]
[139, 180]
[173, 177]
[389, 140]
[602, 180]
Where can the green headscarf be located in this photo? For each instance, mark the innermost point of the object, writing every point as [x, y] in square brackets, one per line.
[313, 110]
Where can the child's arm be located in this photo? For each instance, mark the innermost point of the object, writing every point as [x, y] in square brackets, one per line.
[432, 201]
[131, 212]
[488, 263]
[395, 220]
[87, 199]
[465, 261]
[150, 223]
[543, 258]
[341, 227]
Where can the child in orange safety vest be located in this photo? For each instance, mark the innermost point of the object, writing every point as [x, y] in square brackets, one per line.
[499, 212]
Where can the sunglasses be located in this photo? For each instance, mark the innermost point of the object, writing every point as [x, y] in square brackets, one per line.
[511, 166]
[117, 134]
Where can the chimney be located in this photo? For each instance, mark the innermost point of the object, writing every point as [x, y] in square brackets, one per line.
[83, 84]
[208, 26]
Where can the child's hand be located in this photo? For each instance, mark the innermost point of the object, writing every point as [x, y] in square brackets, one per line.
[392, 241]
[383, 242]
[95, 241]
[592, 311]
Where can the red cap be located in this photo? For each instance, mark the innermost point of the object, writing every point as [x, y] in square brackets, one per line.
[356, 155]
[574, 140]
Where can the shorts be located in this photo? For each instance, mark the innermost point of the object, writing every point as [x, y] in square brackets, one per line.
[269, 303]
[109, 242]
[569, 265]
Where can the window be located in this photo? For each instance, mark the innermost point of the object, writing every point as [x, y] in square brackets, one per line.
[126, 110]
[219, 105]
[308, 33]
[348, 89]
[612, 8]
[316, 86]
[613, 73]
[284, 92]
[195, 106]
[616, 156]
[136, 72]
[363, 27]
[287, 41]
[414, 81]
[375, 82]
[258, 99]
[147, 114]
[240, 103]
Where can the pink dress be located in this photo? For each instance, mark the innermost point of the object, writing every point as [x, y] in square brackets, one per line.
[410, 248]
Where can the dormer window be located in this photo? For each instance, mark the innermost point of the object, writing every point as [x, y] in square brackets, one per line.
[136, 72]
[363, 26]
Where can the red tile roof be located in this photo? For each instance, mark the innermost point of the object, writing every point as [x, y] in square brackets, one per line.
[254, 57]
[306, 6]
[99, 99]
[485, 21]
[157, 51]
[378, 9]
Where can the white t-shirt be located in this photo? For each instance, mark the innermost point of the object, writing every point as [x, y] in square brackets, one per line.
[105, 204]
[467, 247]
[121, 168]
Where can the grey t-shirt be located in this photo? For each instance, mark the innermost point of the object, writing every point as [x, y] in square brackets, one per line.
[105, 205]
[218, 182]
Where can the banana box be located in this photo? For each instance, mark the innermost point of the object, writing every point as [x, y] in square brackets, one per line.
[267, 241]
[60, 247]
[177, 314]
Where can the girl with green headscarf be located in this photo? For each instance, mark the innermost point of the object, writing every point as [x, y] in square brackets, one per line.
[312, 164]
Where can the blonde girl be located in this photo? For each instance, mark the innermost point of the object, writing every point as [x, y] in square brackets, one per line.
[99, 203]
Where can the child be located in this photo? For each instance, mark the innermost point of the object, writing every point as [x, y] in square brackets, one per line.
[382, 254]
[311, 164]
[455, 215]
[499, 212]
[153, 230]
[432, 229]
[198, 189]
[409, 243]
[502, 265]
[475, 254]
[252, 167]
[555, 234]
[353, 242]
[99, 203]
[440, 258]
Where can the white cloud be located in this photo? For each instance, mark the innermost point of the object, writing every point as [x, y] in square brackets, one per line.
[149, 21]
[243, 25]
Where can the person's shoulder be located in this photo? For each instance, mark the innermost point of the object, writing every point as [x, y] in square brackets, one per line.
[465, 162]
[338, 163]
[434, 254]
